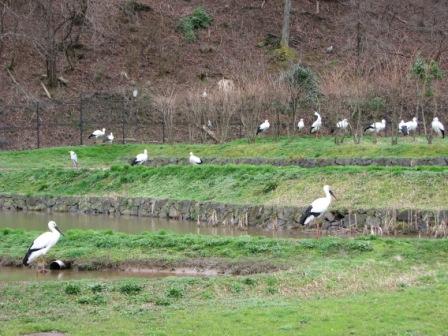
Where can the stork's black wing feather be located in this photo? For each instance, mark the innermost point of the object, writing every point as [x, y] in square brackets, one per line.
[28, 253]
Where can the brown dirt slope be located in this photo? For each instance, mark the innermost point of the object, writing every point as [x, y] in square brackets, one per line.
[146, 47]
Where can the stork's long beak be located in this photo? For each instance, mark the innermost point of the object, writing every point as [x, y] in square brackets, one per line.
[332, 194]
[59, 230]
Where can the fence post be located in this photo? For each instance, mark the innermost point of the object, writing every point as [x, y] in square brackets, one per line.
[163, 129]
[122, 122]
[278, 123]
[37, 125]
[81, 120]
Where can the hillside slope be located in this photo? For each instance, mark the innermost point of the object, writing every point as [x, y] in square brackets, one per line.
[122, 46]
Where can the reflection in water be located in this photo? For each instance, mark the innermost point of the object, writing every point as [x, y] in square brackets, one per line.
[130, 224]
[27, 274]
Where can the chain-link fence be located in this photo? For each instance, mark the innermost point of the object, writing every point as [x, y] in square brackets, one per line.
[61, 123]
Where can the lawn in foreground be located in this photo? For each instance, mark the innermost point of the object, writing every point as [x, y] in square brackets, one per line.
[264, 147]
[355, 187]
[332, 286]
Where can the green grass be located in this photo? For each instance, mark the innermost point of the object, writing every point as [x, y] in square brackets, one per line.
[355, 187]
[284, 148]
[361, 286]
[87, 246]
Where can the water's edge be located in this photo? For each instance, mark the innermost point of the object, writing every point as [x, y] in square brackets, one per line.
[389, 221]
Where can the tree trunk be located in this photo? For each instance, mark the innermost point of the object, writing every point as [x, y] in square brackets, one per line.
[286, 19]
[51, 71]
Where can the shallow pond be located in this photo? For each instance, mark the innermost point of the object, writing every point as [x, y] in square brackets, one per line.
[28, 274]
[130, 224]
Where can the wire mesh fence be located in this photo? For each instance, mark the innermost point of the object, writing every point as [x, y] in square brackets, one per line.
[64, 123]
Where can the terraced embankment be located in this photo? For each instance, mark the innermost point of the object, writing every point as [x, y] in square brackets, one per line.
[402, 197]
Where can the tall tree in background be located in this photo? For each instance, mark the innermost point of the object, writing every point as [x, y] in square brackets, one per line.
[286, 19]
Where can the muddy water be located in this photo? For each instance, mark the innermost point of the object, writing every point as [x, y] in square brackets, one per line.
[26, 274]
[130, 224]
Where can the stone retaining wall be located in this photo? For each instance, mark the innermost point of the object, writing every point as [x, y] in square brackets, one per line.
[261, 216]
[308, 163]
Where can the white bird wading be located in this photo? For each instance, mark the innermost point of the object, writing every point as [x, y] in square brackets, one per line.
[317, 207]
[43, 243]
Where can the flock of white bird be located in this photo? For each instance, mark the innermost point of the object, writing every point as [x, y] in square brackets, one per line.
[405, 128]
[43, 243]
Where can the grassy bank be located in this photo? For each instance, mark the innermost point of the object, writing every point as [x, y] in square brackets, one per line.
[355, 187]
[89, 245]
[363, 286]
[264, 147]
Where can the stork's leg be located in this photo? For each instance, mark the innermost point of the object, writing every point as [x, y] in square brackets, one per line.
[41, 265]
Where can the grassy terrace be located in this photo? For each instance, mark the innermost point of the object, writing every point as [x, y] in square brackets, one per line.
[361, 286]
[355, 187]
[264, 147]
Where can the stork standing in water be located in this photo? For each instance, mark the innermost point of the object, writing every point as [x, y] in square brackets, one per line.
[263, 127]
[317, 207]
[301, 125]
[74, 159]
[317, 124]
[195, 160]
[438, 127]
[43, 243]
[98, 134]
[140, 158]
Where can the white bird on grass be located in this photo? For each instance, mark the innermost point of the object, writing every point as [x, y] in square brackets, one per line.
[204, 93]
[110, 137]
[140, 158]
[438, 127]
[43, 243]
[318, 207]
[343, 124]
[301, 125]
[195, 160]
[263, 127]
[317, 124]
[74, 159]
[402, 127]
[376, 126]
[98, 134]
[409, 126]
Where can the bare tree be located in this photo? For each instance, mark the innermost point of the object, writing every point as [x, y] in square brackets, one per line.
[49, 26]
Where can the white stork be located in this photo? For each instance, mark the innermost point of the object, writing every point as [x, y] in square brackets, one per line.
[110, 137]
[402, 127]
[318, 207]
[343, 124]
[98, 134]
[409, 126]
[263, 127]
[317, 124]
[301, 124]
[74, 159]
[376, 126]
[140, 158]
[43, 243]
[195, 160]
[438, 127]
